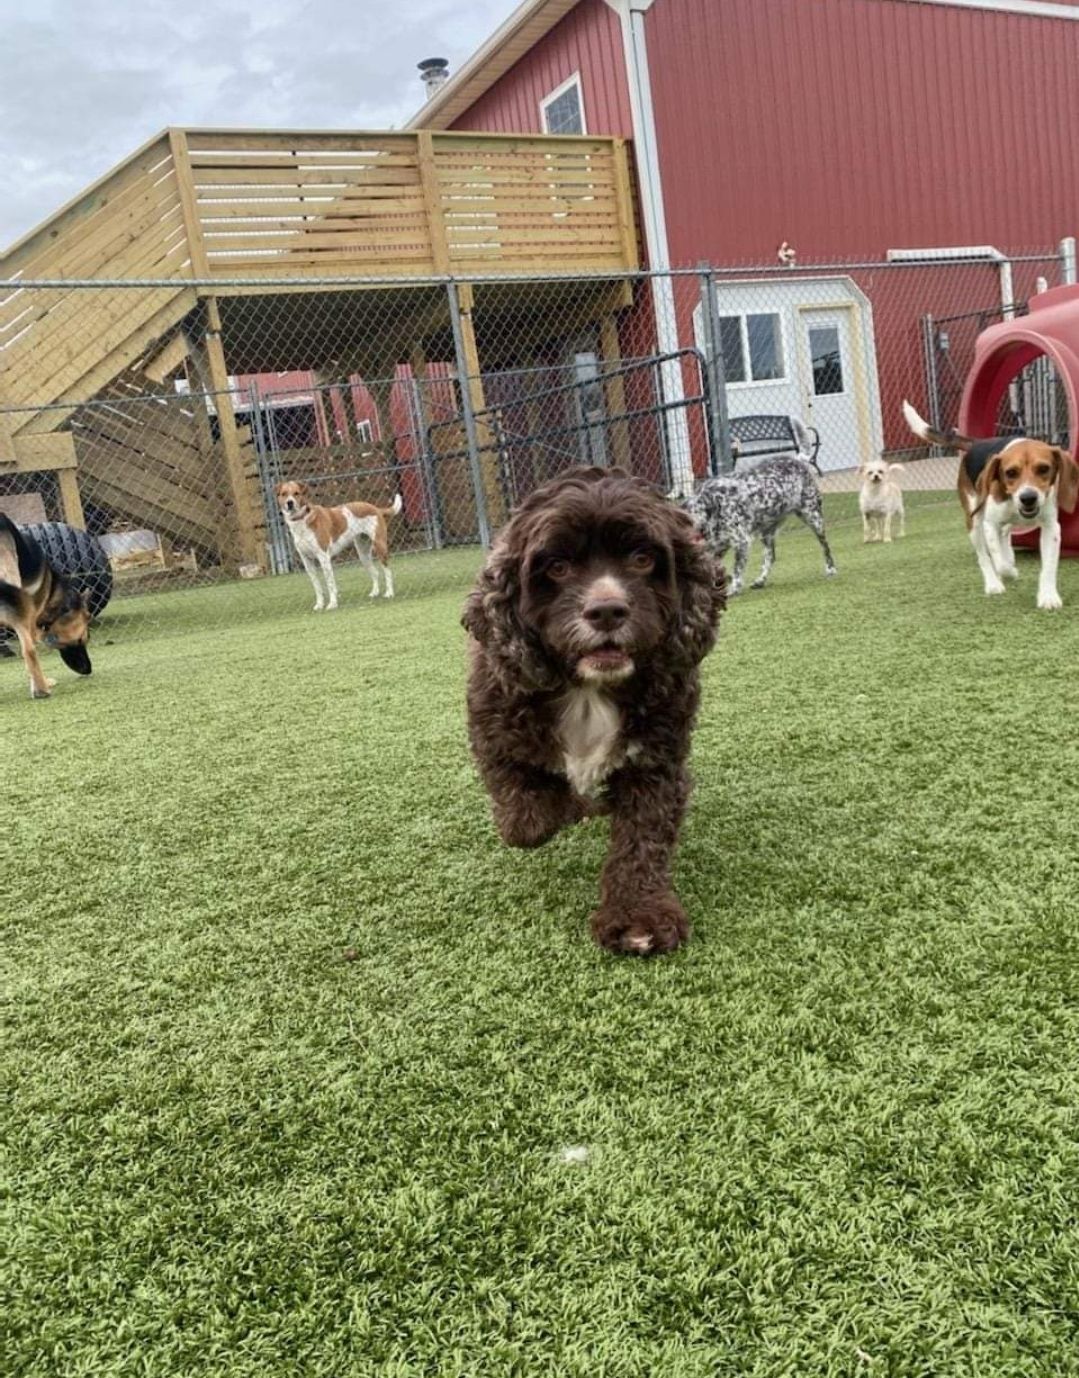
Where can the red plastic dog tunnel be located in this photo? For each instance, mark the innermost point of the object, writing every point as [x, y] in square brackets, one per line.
[1002, 352]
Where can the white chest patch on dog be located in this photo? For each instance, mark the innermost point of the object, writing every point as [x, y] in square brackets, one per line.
[590, 734]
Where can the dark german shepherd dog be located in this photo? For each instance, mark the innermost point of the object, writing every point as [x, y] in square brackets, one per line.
[38, 604]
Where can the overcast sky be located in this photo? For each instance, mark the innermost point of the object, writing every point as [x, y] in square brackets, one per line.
[84, 82]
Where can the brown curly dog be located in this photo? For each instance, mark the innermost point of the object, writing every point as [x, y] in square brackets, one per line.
[596, 605]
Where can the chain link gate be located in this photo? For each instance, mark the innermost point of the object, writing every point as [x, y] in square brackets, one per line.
[460, 470]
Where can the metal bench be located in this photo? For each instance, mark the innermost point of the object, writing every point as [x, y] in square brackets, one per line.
[754, 437]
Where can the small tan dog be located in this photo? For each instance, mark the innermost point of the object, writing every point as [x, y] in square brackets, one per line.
[880, 499]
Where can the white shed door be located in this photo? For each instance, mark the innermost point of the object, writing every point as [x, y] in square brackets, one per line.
[828, 386]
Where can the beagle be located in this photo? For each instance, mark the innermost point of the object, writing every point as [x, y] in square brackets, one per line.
[880, 499]
[1004, 482]
[320, 533]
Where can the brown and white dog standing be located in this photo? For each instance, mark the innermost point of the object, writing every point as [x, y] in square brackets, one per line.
[1004, 482]
[320, 533]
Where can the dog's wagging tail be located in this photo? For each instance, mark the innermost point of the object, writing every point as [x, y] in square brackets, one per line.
[588, 623]
[924, 431]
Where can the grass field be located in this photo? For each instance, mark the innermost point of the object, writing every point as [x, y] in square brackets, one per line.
[837, 1134]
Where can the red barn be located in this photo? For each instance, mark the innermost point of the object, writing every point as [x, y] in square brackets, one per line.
[848, 129]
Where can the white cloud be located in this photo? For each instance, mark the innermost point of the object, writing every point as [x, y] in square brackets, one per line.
[84, 84]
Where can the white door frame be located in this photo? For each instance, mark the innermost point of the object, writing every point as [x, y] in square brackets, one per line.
[859, 376]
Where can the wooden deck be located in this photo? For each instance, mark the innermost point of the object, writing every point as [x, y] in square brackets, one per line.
[280, 206]
[197, 210]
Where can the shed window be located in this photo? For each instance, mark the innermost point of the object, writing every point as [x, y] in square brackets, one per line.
[562, 111]
[752, 348]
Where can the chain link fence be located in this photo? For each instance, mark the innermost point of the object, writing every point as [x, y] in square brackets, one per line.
[161, 415]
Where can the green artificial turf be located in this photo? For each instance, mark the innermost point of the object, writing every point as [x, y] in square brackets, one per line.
[837, 1134]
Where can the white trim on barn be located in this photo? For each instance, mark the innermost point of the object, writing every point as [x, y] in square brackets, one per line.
[654, 216]
[1036, 9]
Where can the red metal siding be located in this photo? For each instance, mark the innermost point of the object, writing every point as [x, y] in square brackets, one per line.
[588, 40]
[849, 127]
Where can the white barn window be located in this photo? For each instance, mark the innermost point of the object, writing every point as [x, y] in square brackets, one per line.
[562, 112]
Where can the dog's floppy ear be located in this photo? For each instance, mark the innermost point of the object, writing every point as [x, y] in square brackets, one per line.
[989, 481]
[1067, 480]
[701, 587]
[492, 615]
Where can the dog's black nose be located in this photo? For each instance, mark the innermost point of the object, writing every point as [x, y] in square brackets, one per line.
[606, 614]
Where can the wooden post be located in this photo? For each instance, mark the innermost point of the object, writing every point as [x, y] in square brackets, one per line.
[627, 220]
[7, 444]
[432, 202]
[198, 380]
[209, 357]
[249, 549]
[70, 500]
[417, 362]
[381, 389]
[615, 389]
[492, 488]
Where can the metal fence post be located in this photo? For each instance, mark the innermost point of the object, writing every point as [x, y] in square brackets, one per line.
[1067, 260]
[932, 381]
[715, 382]
[468, 415]
[269, 473]
[426, 463]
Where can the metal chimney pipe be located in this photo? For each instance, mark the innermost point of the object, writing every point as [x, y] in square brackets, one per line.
[434, 73]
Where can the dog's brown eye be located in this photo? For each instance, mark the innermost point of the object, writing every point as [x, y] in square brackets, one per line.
[558, 569]
[1011, 475]
[1042, 470]
[643, 561]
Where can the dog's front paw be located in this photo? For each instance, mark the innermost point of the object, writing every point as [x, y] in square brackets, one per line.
[641, 927]
[1050, 601]
[43, 693]
[533, 819]
[993, 586]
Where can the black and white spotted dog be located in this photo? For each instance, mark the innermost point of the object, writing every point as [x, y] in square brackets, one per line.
[732, 509]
